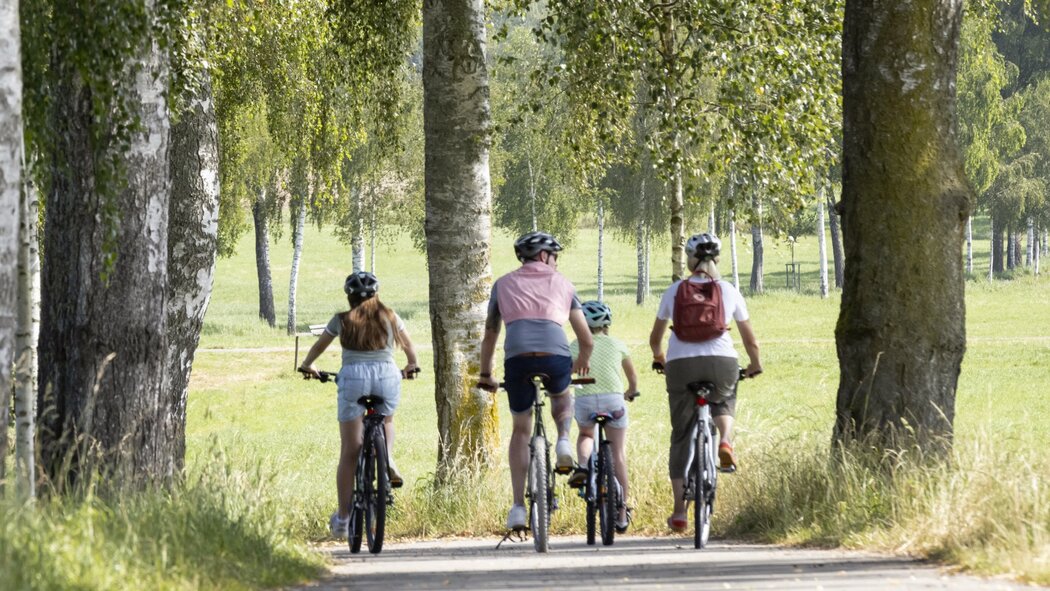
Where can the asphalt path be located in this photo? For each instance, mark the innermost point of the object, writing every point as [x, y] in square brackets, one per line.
[663, 563]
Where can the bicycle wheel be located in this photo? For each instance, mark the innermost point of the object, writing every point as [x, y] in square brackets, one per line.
[376, 490]
[703, 467]
[591, 494]
[356, 529]
[539, 491]
[607, 487]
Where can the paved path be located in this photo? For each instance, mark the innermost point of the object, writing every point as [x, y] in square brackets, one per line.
[632, 563]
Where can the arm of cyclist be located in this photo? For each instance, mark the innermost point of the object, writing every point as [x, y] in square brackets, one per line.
[747, 335]
[582, 364]
[656, 342]
[319, 346]
[632, 379]
[412, 366]
[488, 351]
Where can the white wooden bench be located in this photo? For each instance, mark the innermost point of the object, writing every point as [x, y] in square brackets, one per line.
[315, 330]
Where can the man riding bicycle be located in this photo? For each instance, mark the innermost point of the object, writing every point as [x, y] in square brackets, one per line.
[711, 360]
[534, 302]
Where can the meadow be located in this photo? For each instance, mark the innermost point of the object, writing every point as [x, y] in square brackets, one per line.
[986, 509]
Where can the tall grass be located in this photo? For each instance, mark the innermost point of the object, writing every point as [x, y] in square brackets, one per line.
[220, 530]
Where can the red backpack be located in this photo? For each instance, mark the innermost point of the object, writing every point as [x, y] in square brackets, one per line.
[698, 311]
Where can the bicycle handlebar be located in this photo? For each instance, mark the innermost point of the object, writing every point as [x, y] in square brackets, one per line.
[489, 388]
[328, 376]
[659, 368]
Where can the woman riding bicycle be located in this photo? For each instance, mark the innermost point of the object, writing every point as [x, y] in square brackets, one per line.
[534, 301]
[714, 360]
[368, 333]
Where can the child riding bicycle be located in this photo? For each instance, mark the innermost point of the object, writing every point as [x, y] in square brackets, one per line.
[607, 394]
[534, 302]
[368, 334]
[691, 358]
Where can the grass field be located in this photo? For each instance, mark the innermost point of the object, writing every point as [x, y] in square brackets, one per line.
[247, 402]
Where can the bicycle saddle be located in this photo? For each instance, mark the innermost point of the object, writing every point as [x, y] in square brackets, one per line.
[698, 387]
[606, 415]
[369, 400]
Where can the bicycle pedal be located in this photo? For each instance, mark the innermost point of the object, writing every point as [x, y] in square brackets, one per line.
[727, 470]
[563, 470]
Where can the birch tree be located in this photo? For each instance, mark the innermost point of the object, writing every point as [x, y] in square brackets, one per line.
[901, 333]
[11, 159]
[822, 252]
[457, 124]
[26, 341]
[104, 338]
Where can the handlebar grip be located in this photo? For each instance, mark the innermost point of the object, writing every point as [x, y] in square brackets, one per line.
[581, 381]
[658, 367]
[487, 387]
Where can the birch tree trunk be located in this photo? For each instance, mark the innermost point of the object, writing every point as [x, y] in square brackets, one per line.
[641, 289]
[711, 221]
[262, 261]
[997, 249]
[677, 199]
[26, 342]
[373, 230]
[732, 249]
[11, 159]
[757, 249]
[1011, 248]
[297, 255]
[1029, 254]
[901, 332]
[991, 248]
[193, 224]
[822, 250]
[357, 244]
[532, 192]
[1035, 254]
[836, 242]
[104, 337]
[458, 130]
[969, 245]
[601, 250]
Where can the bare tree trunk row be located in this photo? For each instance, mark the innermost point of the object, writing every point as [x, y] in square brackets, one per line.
[299, 211]
[262, 260]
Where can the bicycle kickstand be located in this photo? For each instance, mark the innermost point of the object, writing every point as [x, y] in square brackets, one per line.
[515, 535]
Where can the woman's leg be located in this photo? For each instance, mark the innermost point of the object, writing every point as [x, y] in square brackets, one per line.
[584, 443]
[350, 433]
[388, 428]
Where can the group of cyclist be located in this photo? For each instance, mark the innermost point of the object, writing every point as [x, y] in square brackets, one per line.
[534, 302]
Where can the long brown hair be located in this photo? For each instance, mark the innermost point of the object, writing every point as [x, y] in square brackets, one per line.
[363, 327]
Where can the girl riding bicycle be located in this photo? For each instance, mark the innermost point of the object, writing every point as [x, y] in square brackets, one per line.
[607, 394]
[368, 334]
[714, 360]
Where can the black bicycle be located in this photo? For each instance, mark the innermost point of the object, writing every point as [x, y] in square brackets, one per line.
[701, 479]
[539, 492]
[372, 490]
[602, 490]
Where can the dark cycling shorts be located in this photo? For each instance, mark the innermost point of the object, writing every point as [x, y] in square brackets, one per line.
[516, 372]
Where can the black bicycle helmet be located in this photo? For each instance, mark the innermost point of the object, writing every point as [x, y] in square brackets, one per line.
[533, 243]
[704, 247]
[362, 284]
[598, 315]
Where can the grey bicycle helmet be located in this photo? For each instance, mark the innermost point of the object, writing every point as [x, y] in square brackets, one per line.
[704, 247]
[362, 284]
[598, 315]
[533, 243]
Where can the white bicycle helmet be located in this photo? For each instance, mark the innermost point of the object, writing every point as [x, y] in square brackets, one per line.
[362, 284]
[704, 247]
[598, 315]
[533, 243]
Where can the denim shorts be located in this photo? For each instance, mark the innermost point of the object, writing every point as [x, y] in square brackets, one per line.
[516, 372]
[587, 405]
[381, 378]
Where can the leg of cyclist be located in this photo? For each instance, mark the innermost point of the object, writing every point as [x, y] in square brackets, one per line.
[584, 441]
[388, 430]
[682, 407]
[618, 439]
[562, 411]
[350, 434]
[518, 456]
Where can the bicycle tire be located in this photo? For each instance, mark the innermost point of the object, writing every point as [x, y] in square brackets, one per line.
[539, 491]
[591, 494]
[376, 490]
[356, 529]
[703, 467]
[607, 486]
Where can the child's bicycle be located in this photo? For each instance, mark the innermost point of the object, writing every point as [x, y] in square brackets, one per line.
[602, 490]
[701, 480]
[372, 490]
[539, 492]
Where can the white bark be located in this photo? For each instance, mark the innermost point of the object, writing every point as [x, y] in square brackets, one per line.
[1036, 254]
[757, 284]
[991, 249]
[26, 344]
[373, 230]
[11, 160]
[297, 254]
[822, 248]
[711, 221]
[357, 244]
[641, 291]
[969, 245]
[732, 250]
[601, 249]
[532, 191]
[1029, 255]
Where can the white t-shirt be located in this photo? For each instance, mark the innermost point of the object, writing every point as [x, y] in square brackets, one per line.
[735, 309]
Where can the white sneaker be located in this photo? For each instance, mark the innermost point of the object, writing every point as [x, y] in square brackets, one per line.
[517, 517]
[340, 527]
[563, 449]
